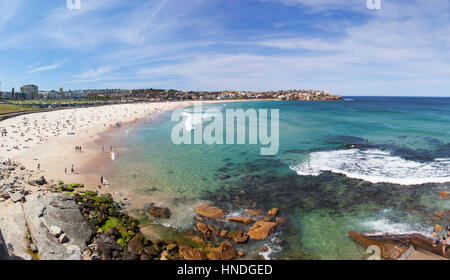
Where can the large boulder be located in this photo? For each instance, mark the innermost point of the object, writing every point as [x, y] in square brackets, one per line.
[13, 230]
[135, 246]
[261, 229]
[46, 210]
[210, 211]
[106, 246]
[37, 182]
[158, 212]
[192, 254]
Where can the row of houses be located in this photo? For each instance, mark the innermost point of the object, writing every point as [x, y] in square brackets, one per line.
[31, 92]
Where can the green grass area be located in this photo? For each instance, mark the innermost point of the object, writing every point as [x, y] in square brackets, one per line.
[38, 102]
[7, 109]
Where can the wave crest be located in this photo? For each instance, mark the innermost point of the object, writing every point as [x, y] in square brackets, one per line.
[376, 166]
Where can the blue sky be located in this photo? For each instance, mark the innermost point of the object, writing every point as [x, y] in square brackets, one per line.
[335, 45]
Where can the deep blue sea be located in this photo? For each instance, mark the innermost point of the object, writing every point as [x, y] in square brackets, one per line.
[375, 164]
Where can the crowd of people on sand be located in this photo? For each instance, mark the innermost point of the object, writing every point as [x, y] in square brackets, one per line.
[442, 237]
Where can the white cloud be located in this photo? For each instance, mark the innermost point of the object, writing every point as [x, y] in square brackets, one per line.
[45, 68]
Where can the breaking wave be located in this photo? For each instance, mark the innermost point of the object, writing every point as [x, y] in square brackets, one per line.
[375, 166]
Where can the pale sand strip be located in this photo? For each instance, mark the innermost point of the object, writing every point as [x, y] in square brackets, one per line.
[49, 138]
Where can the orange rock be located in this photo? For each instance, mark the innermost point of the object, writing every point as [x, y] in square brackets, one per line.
[201, 227]
[213, 254]
[227, 252]
[240, 254]
[210, 211]
[243, 220]
[255, 212]
[444, 195]
[200, 219]
[273, 212]
[223, 233]
[261, 229]
[192, 254]
[238, 236]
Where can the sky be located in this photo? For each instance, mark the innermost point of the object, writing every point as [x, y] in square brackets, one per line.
[339, 46]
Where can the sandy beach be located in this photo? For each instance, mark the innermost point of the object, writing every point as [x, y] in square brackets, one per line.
[45, 142]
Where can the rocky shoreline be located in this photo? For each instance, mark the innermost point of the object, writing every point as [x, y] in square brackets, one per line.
[57, 221]
[42, 220]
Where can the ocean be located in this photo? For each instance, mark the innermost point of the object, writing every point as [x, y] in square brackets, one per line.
[372, 164]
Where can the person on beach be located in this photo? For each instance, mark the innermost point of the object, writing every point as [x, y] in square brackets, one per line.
[435, 238]
[39, 166]
[65, 170]
[72, 170]
[444, 244]
[101, 180]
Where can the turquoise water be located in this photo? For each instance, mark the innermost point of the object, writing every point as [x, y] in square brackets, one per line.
[372, 164]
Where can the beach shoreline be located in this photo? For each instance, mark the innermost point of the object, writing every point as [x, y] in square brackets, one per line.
[54, 155]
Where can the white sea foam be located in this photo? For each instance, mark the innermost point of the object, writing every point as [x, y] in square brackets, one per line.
[193, 119]
[272, 248]
[384, 225]
[375, 166]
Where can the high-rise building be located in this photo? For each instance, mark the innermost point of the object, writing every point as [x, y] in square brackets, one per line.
[30, 90]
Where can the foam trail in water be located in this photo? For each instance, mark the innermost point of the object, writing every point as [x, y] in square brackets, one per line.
[385, 223]
[376, 166]
[193, 119]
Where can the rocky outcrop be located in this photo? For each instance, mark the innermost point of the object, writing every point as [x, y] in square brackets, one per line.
[158, 212]
[37, 182]
[261, 229]
[243, 220]
[192, 254]
[226, 251]
[14, 231]
[237, 236]
[393, 247]
[46, 210]
[210, 211]
[3, 250]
